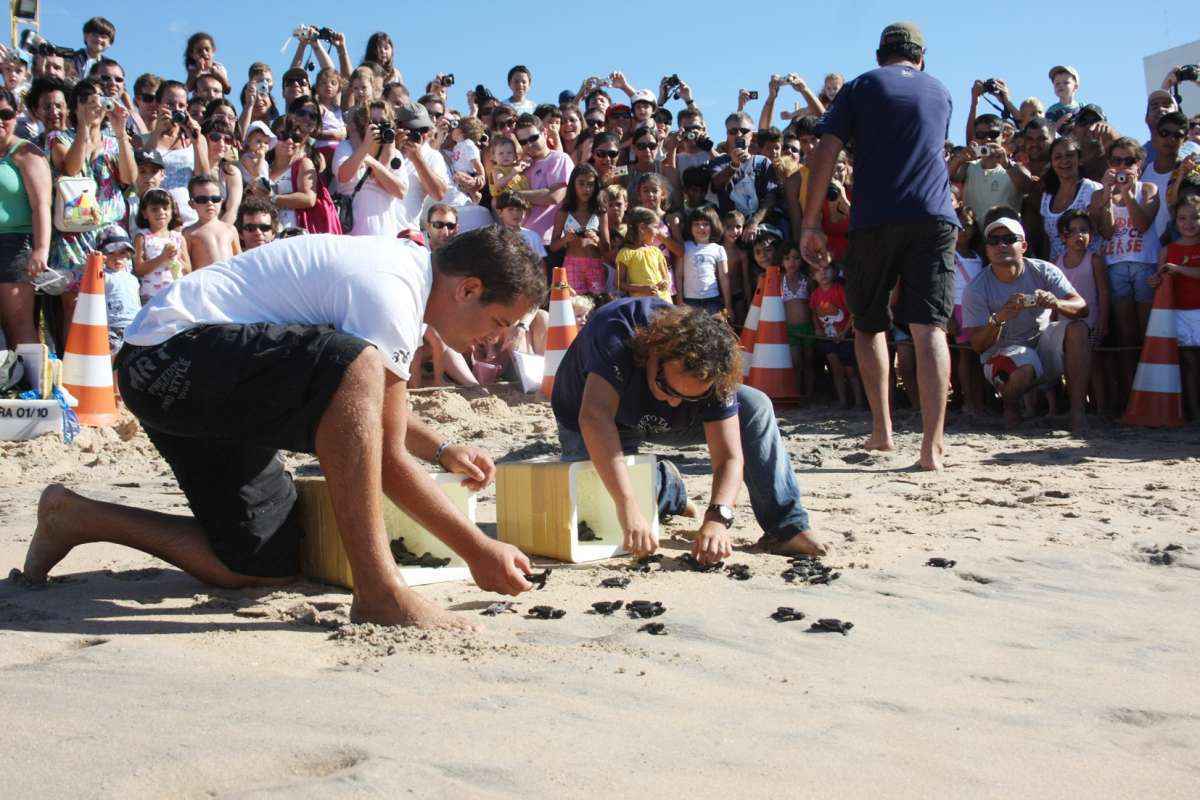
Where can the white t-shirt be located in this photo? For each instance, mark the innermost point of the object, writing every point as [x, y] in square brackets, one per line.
[1162, 217]
[416, 199]
[966, 269]
[464, 156]
[525, 106]
[700, 265]
[534, 241]
[374, 288]
[376, 212]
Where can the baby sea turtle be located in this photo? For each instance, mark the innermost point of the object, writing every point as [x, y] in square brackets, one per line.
[787, 614]
[406, 558]
[643, 564]
[654, 628]
[607, 607]
[807, 569]
[943, 563]
[546, 612]
[615, 583]
[831, 626]
[1162, 559]
[739, 572]
[496, 609]
[692, 563]
[585, 532]
[645, 609]
[539, 578]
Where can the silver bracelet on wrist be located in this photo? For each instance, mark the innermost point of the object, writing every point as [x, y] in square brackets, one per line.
[437, 456]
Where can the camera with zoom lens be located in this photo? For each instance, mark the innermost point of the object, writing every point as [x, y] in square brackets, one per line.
[414, 136]
[386, 133]
[33, 43]
[1188, 72]
[179, 117]
[991, 86]
[447, 80]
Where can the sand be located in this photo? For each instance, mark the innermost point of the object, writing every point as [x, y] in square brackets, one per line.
[1055, 659]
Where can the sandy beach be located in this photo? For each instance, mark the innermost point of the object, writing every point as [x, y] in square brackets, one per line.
[1058, 657]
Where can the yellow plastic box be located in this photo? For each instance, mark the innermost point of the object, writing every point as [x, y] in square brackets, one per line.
[539, 505]
[323, 558]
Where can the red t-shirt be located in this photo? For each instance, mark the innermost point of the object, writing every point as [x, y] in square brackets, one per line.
[831, 315]
[1187, 290]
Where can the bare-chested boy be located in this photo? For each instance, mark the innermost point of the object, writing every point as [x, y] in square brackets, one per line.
[209, 240]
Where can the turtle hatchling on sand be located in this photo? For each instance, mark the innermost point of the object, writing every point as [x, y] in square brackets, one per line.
[645, 609]
[943, 563]
[607, 607]
[496, 609]
[831, 626]
[615, 583]
[539, 578]
[546, 612]
[787, 614]
[739, 572]
[690, 561]
[654, 628]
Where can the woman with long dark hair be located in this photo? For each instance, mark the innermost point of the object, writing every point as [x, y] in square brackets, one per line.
[381, 51]
[1063, 188]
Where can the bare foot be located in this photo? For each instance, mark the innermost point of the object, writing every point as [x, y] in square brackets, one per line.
[52, 539]
[876, 442]
[409, 610]
[1012, 417]
[1079, 425]
[692, 511]
[930, 463]
[802, 544]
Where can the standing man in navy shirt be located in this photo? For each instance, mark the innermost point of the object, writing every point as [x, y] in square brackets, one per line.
[902, 223]
[644, 369]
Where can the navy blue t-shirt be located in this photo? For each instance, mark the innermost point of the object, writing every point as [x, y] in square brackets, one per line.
[898, 119]
[604, 347]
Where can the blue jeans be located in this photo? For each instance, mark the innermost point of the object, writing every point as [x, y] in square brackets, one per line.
[713, 305]
[774, 492]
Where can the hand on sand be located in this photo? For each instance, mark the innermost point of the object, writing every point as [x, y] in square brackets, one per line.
[500, 568]
[712, 543]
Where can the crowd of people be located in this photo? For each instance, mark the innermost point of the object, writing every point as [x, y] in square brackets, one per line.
[1065, 227]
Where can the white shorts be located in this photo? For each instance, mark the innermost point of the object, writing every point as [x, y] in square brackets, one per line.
[1045, 356]
[1187, 326]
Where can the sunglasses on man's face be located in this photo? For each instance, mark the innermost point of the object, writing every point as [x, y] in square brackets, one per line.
[200, 199]
[660, 380]
[7, 115]
[296, 82]
[440, 225]
[1117, 161]
[607, 153]
[533, 137]
[260, 227]
[1171, 133]
[1003, 239]
[738, 131]
[987, 136]
[646, 145]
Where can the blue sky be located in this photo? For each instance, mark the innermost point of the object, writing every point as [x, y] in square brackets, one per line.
[716, 47]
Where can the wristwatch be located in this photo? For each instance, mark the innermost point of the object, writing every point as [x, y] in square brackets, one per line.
[719, 513]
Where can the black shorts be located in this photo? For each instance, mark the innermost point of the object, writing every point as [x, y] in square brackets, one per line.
[842, 348]
[920, 255]
[219, 402]
[15, 249]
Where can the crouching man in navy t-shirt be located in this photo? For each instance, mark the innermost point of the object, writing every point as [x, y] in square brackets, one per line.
[645, 369]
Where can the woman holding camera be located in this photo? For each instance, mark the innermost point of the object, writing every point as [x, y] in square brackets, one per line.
[362, 166]
[173, 134]
[96, 146]
[218, 156]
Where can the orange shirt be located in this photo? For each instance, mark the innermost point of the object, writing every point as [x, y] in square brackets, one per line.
[1187, 290]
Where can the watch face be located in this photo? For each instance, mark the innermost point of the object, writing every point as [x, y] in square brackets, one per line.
[722, 513]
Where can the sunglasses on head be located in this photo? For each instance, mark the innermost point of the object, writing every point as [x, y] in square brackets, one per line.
[1169, 133]
[1117, 161]
[533, 137]
[607, 153]
[441, 225]
[261, 227]
[7, 115]
[1003, 238]
[660, 380]
[739, 131]
[646, 145]
[206, 198]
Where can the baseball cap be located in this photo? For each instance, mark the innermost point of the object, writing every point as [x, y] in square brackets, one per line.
[613, 111]
[113, 239]
[902, 33]
[1007, 223]
[1064, 68]
[413, 116]
[261, 127]
[644, 96]
[1089, 114]
[766, 231]
[566, 96]
[151, 157]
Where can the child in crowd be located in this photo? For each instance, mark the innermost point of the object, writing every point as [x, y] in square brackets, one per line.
[209, 240]
[582, 307]
[333, 123]
[149, 176]
[1181, 259]
[121, 286]
[507, 172]
[794, 290]
[833, 319]
[967, 266]
[615, 201]
[641, 265]
[466, 156]
[1065, 81]
[702, 275]
[160, 255]
[1086, 271]
[199, 57]
[578, 230]
[739, 275]
[511, 209]
[98, 35]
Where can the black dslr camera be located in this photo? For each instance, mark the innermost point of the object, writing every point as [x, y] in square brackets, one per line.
[179, 117]
[325, 34]
[386, 133]
[672, 87]
[991, 86]
[1188, 72]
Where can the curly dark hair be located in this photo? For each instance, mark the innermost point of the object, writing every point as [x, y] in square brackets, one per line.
[703, 343]
[500, 259]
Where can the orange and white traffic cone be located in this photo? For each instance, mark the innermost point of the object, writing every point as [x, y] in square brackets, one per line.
[750, 330]
[87, 365]
[772, 371]
[1156, 400]
[560, 330]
